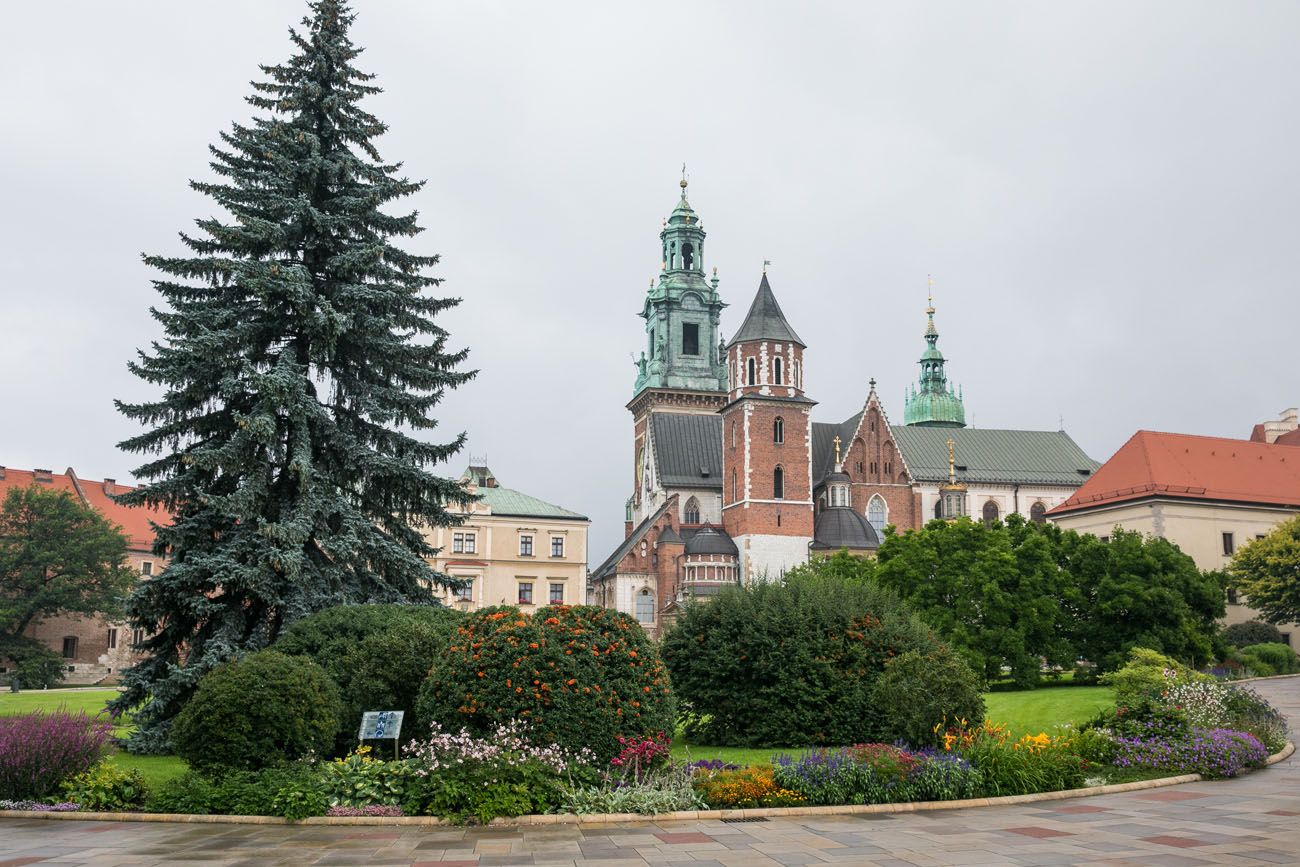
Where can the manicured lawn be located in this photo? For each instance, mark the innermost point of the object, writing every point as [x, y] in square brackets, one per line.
[1025, 712]
[156, 769]
[1038, 710]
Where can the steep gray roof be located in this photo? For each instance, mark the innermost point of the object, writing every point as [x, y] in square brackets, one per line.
[823, 445]
[1045, 457]
[688, 449]
[841, 527]
[632, 538]
[765, 321]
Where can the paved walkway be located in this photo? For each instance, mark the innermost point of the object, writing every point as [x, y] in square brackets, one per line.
[1252, 820]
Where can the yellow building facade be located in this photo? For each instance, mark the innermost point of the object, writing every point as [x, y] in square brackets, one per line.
[512, 549]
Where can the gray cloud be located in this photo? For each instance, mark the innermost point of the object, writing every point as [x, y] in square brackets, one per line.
[1105, 193]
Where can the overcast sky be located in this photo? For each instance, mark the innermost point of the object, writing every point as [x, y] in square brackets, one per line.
[1106, 194]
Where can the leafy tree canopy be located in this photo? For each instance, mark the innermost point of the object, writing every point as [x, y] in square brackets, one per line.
[57, 556]
[1267, 570]
[300, 363]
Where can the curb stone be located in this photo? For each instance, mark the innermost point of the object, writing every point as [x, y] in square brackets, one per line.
[625, 818]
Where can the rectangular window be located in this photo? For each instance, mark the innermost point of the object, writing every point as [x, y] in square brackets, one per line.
[146, 568]
[557, 546]
[525, 593]
[70, 647]
[458, 543]
[525, 546]
[112, 638]
[465, 593]
[137, 637]
[690, 338]
[471, 544]
[1228, 546]
[557, 594]
[1232, 595]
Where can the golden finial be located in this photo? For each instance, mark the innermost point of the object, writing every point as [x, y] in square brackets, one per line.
[683, 184]
[837, 451]
[929, 294]
[952, 462]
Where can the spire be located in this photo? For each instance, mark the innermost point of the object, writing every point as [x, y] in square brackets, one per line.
[934, 403]
[681, 310]
[765, 321]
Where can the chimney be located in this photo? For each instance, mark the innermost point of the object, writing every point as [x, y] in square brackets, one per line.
[43, 477]
[2, 472]
[108, 486]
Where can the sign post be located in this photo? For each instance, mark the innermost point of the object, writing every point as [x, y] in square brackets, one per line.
[381, 725]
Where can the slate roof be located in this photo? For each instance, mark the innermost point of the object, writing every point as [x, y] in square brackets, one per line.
[841, 527]
[711, 540]
[688, 449]
[1154, 464]
[765, 321]
[823, 444]
[990, 455]
[629, 543]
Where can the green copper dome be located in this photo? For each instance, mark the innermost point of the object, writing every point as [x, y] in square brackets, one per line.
[932, 402]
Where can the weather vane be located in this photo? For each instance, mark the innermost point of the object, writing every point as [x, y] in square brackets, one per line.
[766, 262]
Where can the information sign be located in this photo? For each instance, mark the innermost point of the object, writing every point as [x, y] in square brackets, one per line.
[380, 725]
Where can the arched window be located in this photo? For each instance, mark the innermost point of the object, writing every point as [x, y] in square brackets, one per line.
[990, 513]
[938, 508]
[692, 515]
[878, 513]
[778, 430]
[688, 256]
[794, 374]
[778, 484]
[733, 434]
[1038, 513]
[776, 370]
[753, 372]
[645, 607]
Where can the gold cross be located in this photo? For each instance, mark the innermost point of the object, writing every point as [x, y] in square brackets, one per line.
[837, 449]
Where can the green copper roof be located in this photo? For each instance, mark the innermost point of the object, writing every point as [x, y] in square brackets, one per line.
[932, 402]
[989, 455]
[512, 503]
[681, 311]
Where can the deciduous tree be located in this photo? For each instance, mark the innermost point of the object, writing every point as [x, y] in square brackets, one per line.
[1267, 570]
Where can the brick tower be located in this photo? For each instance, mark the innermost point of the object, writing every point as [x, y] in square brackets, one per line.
[767, 444]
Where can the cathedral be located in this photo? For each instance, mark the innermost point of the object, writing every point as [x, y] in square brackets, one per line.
[733, 480]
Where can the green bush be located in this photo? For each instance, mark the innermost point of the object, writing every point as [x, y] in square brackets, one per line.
[359, 780]
[792, 664]
[35, 666]
[1276, 656]
[291, 790]
[917, 692]
[378, 655]
[1252, 632]
[107, 788]
[1147, 675]
[579, 676]
[263, 709]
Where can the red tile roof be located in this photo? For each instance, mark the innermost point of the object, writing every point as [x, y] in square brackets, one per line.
[1155, 464]
[134, 521]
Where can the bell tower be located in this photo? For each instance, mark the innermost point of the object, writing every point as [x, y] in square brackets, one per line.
[767, 503]
[681, 367]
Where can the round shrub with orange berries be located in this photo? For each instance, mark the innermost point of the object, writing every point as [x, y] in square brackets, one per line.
[579, 676]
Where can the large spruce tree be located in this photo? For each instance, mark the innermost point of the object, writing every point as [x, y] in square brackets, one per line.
[301, 354]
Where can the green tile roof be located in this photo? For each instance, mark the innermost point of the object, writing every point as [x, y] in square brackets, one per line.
[508, 501]
[989, 455]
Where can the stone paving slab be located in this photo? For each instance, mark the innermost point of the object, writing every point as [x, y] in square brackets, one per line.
[1251, 820]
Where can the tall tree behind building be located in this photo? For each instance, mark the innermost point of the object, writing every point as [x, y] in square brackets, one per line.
[301, 354]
